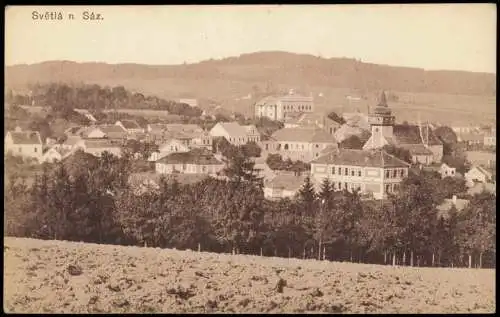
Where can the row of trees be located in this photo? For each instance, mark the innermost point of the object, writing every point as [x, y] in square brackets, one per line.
[89, 199]
[62, 97]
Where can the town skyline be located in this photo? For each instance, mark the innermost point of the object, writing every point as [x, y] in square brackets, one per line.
[393, 34]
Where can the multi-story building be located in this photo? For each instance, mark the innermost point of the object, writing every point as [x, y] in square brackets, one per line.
[25, 144]
[277, 107]
[413, 138]
[374, 172]
[304, 144]
[236, 134]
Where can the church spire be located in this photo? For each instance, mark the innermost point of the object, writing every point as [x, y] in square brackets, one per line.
[383, 100]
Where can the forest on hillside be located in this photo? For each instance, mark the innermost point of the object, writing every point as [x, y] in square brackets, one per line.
[261, 67]
[63, 97]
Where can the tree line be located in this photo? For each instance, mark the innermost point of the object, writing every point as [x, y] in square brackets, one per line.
[90, 199]
[63, 97]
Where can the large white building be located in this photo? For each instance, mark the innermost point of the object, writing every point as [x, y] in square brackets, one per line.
[277, 107]
[373, 172]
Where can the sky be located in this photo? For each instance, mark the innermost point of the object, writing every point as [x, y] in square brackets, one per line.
[433, 36]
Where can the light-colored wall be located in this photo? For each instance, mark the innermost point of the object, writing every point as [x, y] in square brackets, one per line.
[371, 179]
[164, 168]
[23, 150]
[303, 151]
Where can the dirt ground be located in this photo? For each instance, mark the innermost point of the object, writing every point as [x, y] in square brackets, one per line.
[67, 277]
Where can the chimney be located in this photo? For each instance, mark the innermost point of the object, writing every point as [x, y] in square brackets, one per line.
[454, 199]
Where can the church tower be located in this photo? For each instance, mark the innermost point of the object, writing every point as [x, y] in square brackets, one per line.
[381, 122]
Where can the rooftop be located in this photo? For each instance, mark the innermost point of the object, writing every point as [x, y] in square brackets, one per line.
[26, 137]
[287, 182]
[192, 157]
[130, 124]
[375, 158]
[303, 134]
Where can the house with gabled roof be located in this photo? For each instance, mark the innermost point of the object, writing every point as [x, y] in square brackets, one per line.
[447, 171]
[130, 126]
[113, 131]
[304, 144]
[235, 133]
[283, 185]
[478, 174]
[168, 147]
[373, 172]
[193, 162]
[25, 144]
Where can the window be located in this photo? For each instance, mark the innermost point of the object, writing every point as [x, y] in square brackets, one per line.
[387, 174]
[394, 173]
[402, 172]
[340, 185]
[35, 149]
[340, 171]
[396, 187]
[333, 170]
[345, 185]
[387, 188]
[352, 173]
[317, 145]
[204, 169]
[286, 146]
[346, 171]
[359, 173]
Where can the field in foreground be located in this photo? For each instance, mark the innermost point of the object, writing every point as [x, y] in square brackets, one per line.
[58, 276]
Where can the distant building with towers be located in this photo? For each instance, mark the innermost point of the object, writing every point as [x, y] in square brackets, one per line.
[279, 107]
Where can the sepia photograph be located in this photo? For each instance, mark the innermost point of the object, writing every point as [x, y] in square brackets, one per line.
[250, 159]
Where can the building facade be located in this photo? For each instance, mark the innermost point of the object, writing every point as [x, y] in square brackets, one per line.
[277, 108]
[375, 173]
[25, 144]
[189, 163]
[236, 134]
[303, 144]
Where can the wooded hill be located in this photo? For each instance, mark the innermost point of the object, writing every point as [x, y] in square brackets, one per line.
[273, 68]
